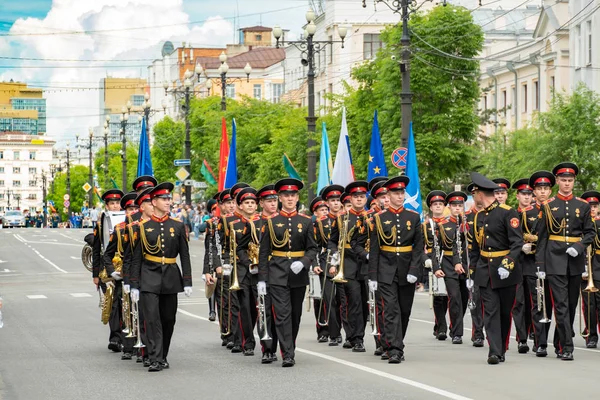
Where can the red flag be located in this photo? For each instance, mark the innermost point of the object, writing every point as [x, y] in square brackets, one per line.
[223, 155]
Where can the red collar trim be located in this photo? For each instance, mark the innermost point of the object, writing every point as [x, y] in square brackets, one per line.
[286, 214]
[160, 219]
[437, 220]
[395, 210]
[359, 213]
[240, 216]
[563, 197]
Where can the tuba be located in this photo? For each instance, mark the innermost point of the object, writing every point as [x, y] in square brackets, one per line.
[86, 257]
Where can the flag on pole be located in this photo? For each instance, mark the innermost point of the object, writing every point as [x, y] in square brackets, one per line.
[223, 154]
[376, 165]
[343, 170]
[144, 165]
[115, 186]
[413, 190]
[207, 173]
[325, 164]
[289, 167]
[231, 173]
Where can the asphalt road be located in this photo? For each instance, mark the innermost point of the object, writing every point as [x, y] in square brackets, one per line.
[53, 346]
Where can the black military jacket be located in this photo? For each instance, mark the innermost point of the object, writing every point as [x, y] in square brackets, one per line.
[447, 230]
[596, 252]
[396, 246]
[529, 220]
[209, 246]
[161, 237]
[361, 242]
[115, 247]
[565, 222]
[496, 230]
[129, 243]
[286, 233]
[244, 231]
[97, 261]
[352, 247]
[322, 235]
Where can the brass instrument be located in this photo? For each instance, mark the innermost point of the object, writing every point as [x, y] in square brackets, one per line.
[590, 288]
[464, 226]
[314, 288]
[325, 322]
[136, 317]
[126, 311]
[86, 257]
[339, 278]
[541, 298]
[209, 289]
[107, 305]
[220, 252]
[373, 313]
[233, 256]
[262, 318]
[253, 253]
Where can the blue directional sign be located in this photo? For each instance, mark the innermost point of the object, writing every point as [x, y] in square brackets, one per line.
[182, 162]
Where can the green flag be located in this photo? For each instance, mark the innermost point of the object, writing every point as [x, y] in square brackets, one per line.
[115, 186]
[207, 173]
[289, 167]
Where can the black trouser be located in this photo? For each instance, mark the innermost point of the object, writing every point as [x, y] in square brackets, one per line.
[564, 290]
[397, 305]
[228, 307]
[379, 338]
[342, 308]
[116, 313]
[540, 330]
[287, 307]
[211, 303]
[144, 337]
[522, 312]
[247, 303]
[440, 306]
[356, 321]
[268, 346]
[160, 311]
[127, 342]
[458, 295]
[320, 309]
[477, 316]
[497, 307]
[589, 311]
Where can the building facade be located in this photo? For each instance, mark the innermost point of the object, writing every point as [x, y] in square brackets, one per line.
[22, 109]
[583, 43]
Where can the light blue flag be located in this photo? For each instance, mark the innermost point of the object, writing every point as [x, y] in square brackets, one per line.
[325, 163]
[144, 166]
[413, 190]
[377, 165]
[231, 174]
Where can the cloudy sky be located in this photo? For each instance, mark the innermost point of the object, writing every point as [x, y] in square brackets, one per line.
[63, 44]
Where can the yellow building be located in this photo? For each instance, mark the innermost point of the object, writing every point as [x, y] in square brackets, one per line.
[22, 109]
[256, 36]
[115, 93]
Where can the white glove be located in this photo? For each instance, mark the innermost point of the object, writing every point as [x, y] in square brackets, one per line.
[296, 267]
[411, 278]
[367, 256]
[503, 272]
[373, 286]
[527, 248]
[541, 274]
[470, 284]
[188, 291]
[204, 277]
[110, 284]
[585, 275]
[227, 269]
[116, 276]
[135, 295]
[254, 269]
[262, 288]
[335, 259]
[572, 251]
[428, 264]
[126, 289]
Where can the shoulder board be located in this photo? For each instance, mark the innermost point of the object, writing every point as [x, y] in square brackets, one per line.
[121, 225]
[528, 208]
[412, 211]
[468, 212]
[256, 217]
[580, 199]
[304, 215]
[175, 219]
[506, 207]
[597, 218]
[381, 212]
[551, 199]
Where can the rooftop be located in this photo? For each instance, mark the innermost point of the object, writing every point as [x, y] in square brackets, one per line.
[259, 58]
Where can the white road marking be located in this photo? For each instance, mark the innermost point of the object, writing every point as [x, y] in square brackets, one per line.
[41, 256]
[80, 294]
[75, 258]
[69, 237]
[6, 270]
[36, 296]
[399, 379]
[2, 261]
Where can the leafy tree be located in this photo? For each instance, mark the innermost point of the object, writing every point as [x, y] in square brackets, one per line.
[78, 177]
[115, 166]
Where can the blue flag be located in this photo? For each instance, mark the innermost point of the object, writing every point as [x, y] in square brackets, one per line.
[413, 190]
[144, 166]
[325, 163]
[231, 174]
[377, 165]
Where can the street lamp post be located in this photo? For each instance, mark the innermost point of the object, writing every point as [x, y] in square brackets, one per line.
[90, 175]
[309, 47]
[124, 117]
[44, 200]
[106, 131]
[187, 83]
[69, 182]
[8, 194]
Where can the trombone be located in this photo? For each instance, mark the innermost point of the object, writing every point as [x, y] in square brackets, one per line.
[462, 226]
[325, 322]
[233, 256]
[339, 278]
[541, 298]
[126, 311]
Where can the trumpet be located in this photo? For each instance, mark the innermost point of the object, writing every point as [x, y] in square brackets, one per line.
[373, 313]
[339, 277]
[541, 298]
[233, 256]
[262, 318]
[136, 318]
[126, 311]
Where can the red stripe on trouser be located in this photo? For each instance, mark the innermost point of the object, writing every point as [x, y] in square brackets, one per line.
[555, 319]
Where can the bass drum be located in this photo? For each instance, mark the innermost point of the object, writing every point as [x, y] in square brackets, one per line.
[86, 257]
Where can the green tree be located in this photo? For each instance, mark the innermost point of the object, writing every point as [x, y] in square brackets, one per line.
[115, 166]
[78, 177]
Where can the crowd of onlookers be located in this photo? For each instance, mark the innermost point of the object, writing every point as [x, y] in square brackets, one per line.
[194, 217]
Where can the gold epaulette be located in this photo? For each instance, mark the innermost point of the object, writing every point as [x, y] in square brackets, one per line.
[506, 207]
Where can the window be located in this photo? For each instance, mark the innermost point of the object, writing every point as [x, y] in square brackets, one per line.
[1, 170]
[371, 44]
[137, 100]
[1, 155]
[16, 170]
[31, 183]
[32, 155]
[230, 91]
[536, 95]
[513, 100]
[484, 103]
[32, 196]
[330, 60]
[524, 98]
[588, 25]
[33, 170]
[16, 155]
[258, 92]
[258, 38]
[1, 196]
[1, 183]
[276, 91]
[578, 46]
[504, 103]
[17, 183]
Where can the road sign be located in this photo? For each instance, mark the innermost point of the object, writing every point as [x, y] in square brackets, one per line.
[67, 203]
[200, 185]
[399, 157]
[182, 174]
[181, 163]
[188, 182]
[86, 187]
[66, 197]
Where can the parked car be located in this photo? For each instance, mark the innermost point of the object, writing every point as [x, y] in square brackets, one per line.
[13, 218]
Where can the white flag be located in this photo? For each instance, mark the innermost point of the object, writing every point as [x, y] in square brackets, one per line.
[343, 170]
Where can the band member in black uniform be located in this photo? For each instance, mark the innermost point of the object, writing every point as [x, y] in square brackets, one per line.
[287, 250]
[589, 300]
[345, 200]
[332, 195]
[477, 336]
[155, 275]
[541, 182]
[523, 302]
[436, 201]
[114, 253]
[564, 233]
[501, 194]
[209, 257]
[268, 201]
[495, 255]
[328, 328]
[395, 257]
[112, 201]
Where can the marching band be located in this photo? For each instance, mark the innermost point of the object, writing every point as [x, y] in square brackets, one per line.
[360, 257]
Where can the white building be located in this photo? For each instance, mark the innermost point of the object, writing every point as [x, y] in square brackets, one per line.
[583, 43]
[24, 159]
